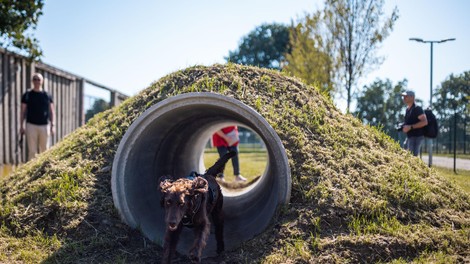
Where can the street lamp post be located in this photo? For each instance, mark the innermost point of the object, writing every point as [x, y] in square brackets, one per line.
[430, 95]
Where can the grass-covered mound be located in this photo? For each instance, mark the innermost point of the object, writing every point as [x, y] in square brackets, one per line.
[356, 197]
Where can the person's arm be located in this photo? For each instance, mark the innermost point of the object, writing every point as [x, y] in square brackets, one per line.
[229, 140]
[22, 116]
[51, 117]
[221, 134]
[423, 121]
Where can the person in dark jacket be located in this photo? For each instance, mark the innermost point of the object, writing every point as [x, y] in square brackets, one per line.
[415, 121]
[37, 108]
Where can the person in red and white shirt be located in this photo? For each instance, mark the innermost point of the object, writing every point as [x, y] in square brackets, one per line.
[226, 140]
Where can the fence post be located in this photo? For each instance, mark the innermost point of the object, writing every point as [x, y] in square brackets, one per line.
[465, 134]
[112, 100]
[3, 92]
[81, 97]
[455, 141]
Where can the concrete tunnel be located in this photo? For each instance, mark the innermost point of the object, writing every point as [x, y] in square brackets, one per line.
[169, 139]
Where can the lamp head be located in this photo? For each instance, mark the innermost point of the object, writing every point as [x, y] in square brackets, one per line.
[444, 40]
[417, 39]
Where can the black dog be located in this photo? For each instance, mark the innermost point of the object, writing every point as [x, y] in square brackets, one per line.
[188, 202]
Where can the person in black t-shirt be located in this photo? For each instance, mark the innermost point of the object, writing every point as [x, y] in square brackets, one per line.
[37, 108]
[415, 120]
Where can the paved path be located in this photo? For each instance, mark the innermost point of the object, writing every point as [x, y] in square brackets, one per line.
[462, 164]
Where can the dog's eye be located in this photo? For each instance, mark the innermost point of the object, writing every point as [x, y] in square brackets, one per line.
[180, 204]
[168, 202]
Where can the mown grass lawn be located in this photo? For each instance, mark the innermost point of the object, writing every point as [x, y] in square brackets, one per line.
[462, 178]
[252, 162]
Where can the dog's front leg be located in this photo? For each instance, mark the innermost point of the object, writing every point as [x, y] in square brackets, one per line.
[201, 233]
[218, 219]
[169, 247]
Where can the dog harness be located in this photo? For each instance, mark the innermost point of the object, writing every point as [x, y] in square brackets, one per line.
[188, 218]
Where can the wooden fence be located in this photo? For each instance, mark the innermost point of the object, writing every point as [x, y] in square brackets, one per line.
[66, 89]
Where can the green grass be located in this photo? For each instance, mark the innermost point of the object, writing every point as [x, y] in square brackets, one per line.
[462, 178]
[252, 162]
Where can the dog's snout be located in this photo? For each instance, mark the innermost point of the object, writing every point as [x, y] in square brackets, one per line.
[172, 226]
[172, 220]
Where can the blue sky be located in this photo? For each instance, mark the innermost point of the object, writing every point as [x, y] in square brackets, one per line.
[126, 45]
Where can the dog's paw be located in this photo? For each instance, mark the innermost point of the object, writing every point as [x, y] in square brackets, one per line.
[220, 250]
[195, 259]
[193, 256]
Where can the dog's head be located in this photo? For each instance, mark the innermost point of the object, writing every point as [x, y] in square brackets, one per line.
[179, 196]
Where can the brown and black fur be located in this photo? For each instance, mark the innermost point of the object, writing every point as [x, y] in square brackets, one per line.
[186, 198]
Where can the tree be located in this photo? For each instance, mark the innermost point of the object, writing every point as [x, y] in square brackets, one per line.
[452, 99]
[380, 104]
[99, 105]
[308, 58]
[17, 19]
[357, 27]
[265, 46]
[453, 94]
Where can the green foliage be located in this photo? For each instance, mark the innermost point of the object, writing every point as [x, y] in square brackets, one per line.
[451, 104]
[453, 95]
[265, 47]
[381, 105]
[17, 18]
[309, 58]
[99, 106]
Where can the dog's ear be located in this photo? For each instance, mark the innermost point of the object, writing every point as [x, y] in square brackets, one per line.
[200, 185]
[165, 177]
[162, 201]
[165, 183]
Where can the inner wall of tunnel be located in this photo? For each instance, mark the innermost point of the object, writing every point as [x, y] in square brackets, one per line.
[169, 139]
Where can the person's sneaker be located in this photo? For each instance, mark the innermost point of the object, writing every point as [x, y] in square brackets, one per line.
[239, 178]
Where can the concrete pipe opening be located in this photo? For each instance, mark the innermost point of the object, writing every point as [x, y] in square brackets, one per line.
[169, 139]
